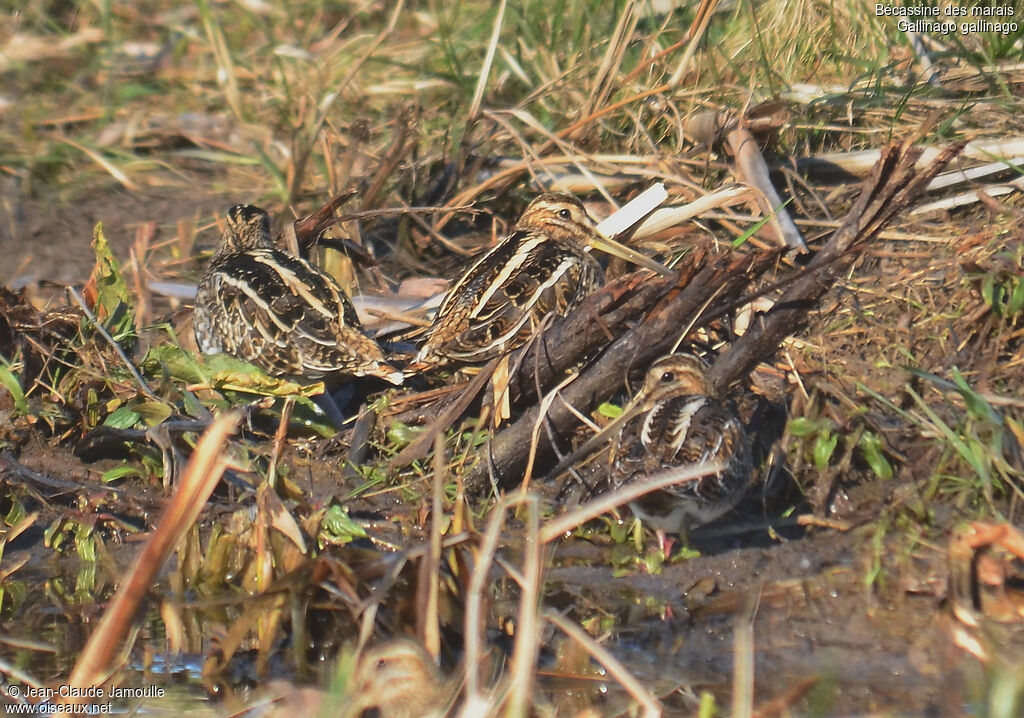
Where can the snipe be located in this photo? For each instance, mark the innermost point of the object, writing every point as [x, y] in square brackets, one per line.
[542, 267]
[279, 312]
[397, 680]
[673, 422]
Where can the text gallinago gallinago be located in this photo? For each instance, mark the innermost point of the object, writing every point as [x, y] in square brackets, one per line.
[279, 312]
[673, 421]
[542, 267]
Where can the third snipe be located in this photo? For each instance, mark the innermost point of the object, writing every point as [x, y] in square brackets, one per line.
[672, 422]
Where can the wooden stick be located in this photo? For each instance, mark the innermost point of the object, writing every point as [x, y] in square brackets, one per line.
[753, 170]
[204, 470]
[894, 185]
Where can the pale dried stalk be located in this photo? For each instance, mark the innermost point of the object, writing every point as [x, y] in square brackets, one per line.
[860, 163]
[432, 627]
[753, 169]
[545, 405]
[564, 523]
[651, 706]
[702, 17]
[527, 647]
[201, 475]
[743, 659]
[603, 79]
[950, 179]
[473, 641]
[967, 198]
[103, 162]
[577, 158]
[279, 438]
[662, 219]
[633, 211]
[485, 70]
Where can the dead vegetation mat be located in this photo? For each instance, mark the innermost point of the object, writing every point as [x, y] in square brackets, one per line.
[100, 417]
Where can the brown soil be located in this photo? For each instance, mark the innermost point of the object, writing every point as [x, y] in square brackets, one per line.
[826, 639]
[49, 240]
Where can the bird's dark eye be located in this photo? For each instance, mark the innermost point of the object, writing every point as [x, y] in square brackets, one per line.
[667, 377]
[564, 214]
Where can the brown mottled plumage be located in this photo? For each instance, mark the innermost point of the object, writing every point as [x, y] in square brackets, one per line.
[393, 680]
[542, 267]
[277, 311]
[397, 680]
[672, 422]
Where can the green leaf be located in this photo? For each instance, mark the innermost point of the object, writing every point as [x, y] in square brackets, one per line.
[53, 536]
[236, 375]
[801, 426]
[338, 527]
[220, 371]
[619, 531]
[956, 441]
[85, 542]
[16, 514]
[174, 362]
[401, 434]
[474, 438]
[1015, 304]
[190, 402]
[976, 404]
[762, 222]
[122, 418]
[113, 302]
[823, 448]
[119, 472]
[231, 377]
[685, 553]
[652, 562]
[11, 383]
[871, 446]
[611, 411]
[310, 416]
[153, 412]
[707, 707]
[988, 286]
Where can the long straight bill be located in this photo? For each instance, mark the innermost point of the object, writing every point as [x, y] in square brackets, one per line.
[610, 246]
[627, 216]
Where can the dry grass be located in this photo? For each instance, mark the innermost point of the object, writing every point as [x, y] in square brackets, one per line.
[908, 376]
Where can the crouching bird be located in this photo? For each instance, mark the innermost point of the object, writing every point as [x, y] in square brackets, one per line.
[673, 422]
[279, 312]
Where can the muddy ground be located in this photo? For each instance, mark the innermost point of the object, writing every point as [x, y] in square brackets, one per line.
[835, 589]
[849, 621]
[46, 240]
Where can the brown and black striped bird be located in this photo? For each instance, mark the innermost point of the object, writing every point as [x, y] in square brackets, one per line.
[675, 422]
[279, 312]
[542, 267]
[397, 680]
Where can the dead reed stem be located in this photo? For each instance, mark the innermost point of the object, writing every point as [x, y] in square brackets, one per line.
[201, 475]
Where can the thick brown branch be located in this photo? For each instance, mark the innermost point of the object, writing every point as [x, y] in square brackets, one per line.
[723, 278]
[604, 314]
[894, 185]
